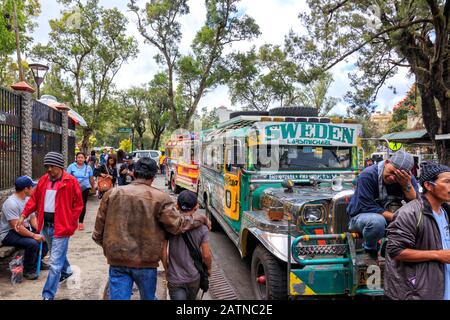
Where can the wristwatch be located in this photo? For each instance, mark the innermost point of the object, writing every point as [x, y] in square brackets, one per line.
[408, 188]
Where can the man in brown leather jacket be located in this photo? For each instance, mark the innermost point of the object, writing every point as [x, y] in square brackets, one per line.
[131, 224]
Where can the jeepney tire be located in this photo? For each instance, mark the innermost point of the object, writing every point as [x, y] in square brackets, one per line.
[294, 112]
[215, 226]
[275, 272]
[176, 189]
[248, 113]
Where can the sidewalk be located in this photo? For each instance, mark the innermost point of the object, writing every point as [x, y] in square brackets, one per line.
[89, 267]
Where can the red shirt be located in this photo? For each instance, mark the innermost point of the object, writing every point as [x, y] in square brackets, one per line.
[68, 204]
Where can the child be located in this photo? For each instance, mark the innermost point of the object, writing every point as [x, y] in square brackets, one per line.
[182, 276]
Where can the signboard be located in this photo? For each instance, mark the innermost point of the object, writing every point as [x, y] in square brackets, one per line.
[307, 133]
[50, 127]
[72, 133]
[124, 130]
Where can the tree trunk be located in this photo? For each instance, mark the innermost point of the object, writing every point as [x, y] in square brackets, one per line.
[87, 132]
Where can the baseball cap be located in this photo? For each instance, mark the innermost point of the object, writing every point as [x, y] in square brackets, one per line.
[129, 156]
[402, 160]
[187, 200]
[25, 182]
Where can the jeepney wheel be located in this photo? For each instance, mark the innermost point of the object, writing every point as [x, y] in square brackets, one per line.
[215, 226]
[269, 279]
[173, 186]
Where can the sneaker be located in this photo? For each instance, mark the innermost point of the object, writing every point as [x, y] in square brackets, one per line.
[45, 298]
[30, 276]
[45, 266]
[81, 226]
[64, 277]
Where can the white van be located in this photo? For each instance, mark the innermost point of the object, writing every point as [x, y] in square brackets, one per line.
[154, 154]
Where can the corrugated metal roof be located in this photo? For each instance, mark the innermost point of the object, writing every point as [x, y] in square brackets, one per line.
[406, 135]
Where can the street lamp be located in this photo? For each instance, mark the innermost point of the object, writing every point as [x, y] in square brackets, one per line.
[39, 71]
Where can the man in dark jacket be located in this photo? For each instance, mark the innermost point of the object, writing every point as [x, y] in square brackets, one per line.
[418, 246]
[378, 184]
[131, 227]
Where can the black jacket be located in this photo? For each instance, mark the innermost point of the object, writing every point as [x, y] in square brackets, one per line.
[414, 227]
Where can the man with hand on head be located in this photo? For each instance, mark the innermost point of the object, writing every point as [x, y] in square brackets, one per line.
[376, 185]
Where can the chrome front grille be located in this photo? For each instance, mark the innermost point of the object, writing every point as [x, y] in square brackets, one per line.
[340, 216]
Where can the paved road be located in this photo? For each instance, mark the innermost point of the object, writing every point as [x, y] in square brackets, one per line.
[226, 257]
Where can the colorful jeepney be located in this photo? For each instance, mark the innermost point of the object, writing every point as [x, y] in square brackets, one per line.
[279, 187]
[182, 168]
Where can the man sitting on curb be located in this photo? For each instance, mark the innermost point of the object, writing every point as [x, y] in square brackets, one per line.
[24, 237]
[376, 184]
[182, 275]
[418, 246]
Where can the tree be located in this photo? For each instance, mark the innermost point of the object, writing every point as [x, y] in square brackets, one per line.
[134, 106]
[411, 34]
[159, 113]
[89, 55]
[259, 80]
[25, 11]
[406, 107]
[203, 69]
[314, 94]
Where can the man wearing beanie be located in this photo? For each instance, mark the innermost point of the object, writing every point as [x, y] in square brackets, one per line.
[376, 187]
[58, 202]
[418, 246]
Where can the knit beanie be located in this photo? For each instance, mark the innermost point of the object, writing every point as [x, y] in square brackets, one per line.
[402, 160]
[54, 159]
[430, 170]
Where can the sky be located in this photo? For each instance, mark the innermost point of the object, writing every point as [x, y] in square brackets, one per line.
[274, 17]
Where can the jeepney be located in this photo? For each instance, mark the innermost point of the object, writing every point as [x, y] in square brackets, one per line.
[182, 168]
[279, 187]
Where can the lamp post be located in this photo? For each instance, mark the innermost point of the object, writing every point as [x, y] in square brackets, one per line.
[39, 71]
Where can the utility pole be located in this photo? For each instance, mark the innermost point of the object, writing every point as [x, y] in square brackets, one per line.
[16, 30]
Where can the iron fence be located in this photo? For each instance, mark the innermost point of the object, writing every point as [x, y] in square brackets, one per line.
[47, 135]
[10, 146]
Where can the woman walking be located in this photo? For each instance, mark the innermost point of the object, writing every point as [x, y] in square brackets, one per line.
[85, 176]
[120, 161]
[108, 171]
[92, 160]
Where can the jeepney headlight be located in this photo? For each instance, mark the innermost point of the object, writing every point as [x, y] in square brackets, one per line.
[313, 213]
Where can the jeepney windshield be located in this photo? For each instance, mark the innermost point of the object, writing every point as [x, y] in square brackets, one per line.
[291, 157]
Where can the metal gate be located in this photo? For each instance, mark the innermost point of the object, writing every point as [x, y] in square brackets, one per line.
[47, 135]
[10, 146]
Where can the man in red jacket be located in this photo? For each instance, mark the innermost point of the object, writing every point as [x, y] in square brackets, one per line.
[58, 202]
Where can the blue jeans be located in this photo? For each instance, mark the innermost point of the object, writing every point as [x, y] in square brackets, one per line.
[58, 262]
[372, 226]
[186, 291]
[31, 247]
[121, 282]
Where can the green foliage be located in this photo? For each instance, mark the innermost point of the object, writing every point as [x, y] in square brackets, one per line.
[406, 107]
[265, 78]
[204, 68]
[26, 11]
[86, 57]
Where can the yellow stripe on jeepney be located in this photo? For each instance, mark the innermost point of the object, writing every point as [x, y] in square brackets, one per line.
[297, 282]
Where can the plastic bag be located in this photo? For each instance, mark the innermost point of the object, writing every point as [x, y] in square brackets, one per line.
[16, 268]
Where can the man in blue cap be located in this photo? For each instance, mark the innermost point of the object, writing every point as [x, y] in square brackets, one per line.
[25, 237]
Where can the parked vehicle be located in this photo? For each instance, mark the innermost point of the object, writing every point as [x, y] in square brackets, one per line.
[182, 168]
[154, 154]
[289, 218]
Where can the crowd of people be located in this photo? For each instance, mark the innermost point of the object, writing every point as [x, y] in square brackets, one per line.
[41, 217]
[409, 228]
